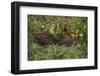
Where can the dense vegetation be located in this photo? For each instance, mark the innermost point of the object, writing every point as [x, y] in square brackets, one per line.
[57, 37]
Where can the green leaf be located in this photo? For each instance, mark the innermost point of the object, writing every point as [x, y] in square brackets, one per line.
[77, 30]
[81, 35]
[52, 29]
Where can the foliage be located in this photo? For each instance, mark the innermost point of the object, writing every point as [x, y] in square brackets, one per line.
[70, 43]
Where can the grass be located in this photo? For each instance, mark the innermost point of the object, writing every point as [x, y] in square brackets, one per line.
[52, 52]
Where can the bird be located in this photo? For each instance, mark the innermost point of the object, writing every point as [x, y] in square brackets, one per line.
[69, 32]
[43, 38]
